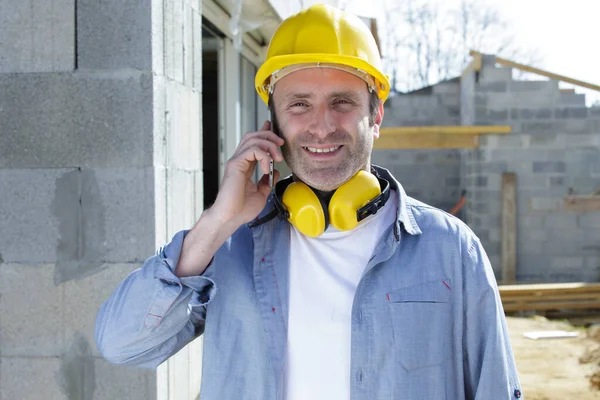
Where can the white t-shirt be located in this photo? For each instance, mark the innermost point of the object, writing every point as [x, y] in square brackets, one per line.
[324, 274]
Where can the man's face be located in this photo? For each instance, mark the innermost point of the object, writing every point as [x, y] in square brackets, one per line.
[323, 115]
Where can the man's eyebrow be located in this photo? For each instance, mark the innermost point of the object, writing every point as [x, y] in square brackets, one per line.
[345, 94]
[297, 96]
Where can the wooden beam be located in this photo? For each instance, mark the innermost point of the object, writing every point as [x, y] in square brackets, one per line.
[509, 227]
[550, 296]
[426, 141]
[447, 130]
[582, 203]
[533, 70]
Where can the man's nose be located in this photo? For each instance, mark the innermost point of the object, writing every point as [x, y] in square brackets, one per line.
[323, 123]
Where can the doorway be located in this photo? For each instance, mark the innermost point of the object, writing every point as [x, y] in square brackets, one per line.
[212, 65]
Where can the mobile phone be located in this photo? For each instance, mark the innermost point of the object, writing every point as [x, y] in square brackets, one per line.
[271, 173]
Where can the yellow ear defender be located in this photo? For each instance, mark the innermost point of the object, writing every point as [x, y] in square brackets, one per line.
[363, 195]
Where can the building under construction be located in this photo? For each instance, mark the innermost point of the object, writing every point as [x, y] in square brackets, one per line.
[526, 156]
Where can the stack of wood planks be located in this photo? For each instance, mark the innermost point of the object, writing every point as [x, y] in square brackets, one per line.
[550, 296]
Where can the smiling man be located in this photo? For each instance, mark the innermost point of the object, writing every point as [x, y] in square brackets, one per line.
[333, 285]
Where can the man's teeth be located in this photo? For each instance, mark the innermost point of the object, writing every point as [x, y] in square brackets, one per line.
[315, 150]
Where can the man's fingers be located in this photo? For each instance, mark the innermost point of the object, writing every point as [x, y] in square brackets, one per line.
[266, 126]
[264, 145]
[256, 154]
[263, 134]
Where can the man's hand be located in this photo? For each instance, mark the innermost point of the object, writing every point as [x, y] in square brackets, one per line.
[239, 200]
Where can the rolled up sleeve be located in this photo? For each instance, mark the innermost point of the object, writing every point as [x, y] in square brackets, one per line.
[152, 314]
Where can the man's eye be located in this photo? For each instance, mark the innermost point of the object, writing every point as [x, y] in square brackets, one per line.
[342, 101]
[299, 104]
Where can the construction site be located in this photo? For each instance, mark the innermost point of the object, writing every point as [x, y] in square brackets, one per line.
[117, 118]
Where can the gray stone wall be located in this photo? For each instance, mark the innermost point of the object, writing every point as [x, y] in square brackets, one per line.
[554, 149]
[432, 176]
[100, 162]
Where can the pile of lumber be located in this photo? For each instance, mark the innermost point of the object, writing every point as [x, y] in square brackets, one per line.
[550, 296]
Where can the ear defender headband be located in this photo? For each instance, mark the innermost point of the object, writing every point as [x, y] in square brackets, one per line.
[363, 195]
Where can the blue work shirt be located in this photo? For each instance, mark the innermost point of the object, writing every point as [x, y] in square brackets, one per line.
[427, 320]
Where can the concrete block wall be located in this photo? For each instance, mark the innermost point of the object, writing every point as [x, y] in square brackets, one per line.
[440, 105]
[554, 148]
[100, 143]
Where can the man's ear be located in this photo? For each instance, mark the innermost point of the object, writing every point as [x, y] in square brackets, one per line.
[378, 120]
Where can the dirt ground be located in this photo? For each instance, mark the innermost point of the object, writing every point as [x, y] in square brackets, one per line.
[556, 368]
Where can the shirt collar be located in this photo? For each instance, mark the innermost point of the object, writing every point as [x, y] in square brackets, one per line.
[404, 215]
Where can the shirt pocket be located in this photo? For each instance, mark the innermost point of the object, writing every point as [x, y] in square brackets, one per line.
[421, 323]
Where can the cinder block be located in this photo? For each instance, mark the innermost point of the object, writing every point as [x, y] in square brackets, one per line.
[127, 198]
[495, 167]
[183, 127]
[83, 298]
[37, 39]
[447, 88]
[531, 113]
[492, 74]
[590, 220]
[512, 141]
[543, 127]
[180, 191]
[594, 111]
[571, 99]
[581, 140]
[484, 115]
[77, 218]
[549, 167]
[491, 87]
[565, 276]
[173, 39]
[30, 306]
[593, 125]
[197, 46]
[547, 140]
[76, 120]
[531, 222]
[546, 87]
[31, 379]
[545, 203]
[452, 181]
[571, 112]
[562, 221]
[506, 155]
[114, 35]
[592, 263]
[26, 200]
[116, 382]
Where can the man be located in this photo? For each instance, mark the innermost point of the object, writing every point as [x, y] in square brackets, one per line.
[336, 284]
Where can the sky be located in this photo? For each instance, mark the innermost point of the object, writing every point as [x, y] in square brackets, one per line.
[564, 33]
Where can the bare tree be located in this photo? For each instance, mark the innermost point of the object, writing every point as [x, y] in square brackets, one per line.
[426, 42]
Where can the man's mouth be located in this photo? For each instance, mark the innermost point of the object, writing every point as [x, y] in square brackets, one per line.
[321, 150]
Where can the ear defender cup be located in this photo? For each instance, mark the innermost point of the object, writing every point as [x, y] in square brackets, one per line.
[307, 211]
[350, 197]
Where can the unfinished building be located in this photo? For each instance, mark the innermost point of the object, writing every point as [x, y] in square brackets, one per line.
[527, 153]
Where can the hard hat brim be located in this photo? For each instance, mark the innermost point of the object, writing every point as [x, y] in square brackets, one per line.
[278, 62]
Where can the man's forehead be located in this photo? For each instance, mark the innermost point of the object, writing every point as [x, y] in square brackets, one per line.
[312, 82]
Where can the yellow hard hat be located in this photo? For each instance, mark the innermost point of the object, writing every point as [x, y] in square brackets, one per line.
[323, 35]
